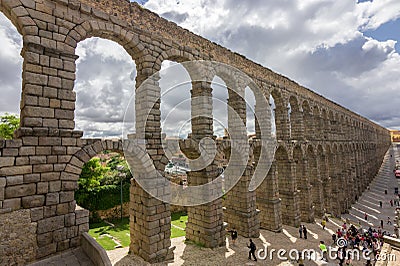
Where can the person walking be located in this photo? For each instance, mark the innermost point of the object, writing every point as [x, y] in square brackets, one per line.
[391, 203]
[380, 203]
[252, 250]
[305, 232]
[323, 223]
[365, 216]
[382, 224]
[324, 251]
[234, 235]
[301, 231]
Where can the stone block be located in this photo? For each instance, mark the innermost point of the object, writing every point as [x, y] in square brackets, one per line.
[49, 141]
[50, 224]
[59, 167]
[45, 239]
[69, 185]
[42, 187]
[10, 152]
[21, 161]
[26, 151]
[52, 199]
[44, 251]
[32, 201]
[15, 170]
[60, 235]
[36, 214]
[54, 186]
[83, 228]
[13, 143]
[63, 245]
[15, 180]
[66, 196]
[20, 191]
[49, 211]
[52, 176]
[70, 221]
[62, 209]
[37, 159]
[13, 204]
[6, 161]
[81, 213]
[3, 182]
[42, 168]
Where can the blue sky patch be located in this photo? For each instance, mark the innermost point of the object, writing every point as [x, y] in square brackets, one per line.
[387, 31]
[142, 2]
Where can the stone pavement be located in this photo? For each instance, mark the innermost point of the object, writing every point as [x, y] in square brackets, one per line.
[74, 257]
[369, 201]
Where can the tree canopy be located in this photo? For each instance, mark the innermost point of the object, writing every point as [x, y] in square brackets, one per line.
[8, 124]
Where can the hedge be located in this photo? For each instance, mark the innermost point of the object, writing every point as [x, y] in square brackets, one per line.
[102, 198]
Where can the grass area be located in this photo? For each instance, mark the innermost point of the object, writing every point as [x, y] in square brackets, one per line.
[120, 231]
[179, 219]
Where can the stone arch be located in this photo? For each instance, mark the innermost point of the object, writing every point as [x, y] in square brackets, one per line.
[16, 12]
[308, 120]
[281, 115]
[93, 147]
[178, 55]
[318, 123]
[107, 30]
[296, 119]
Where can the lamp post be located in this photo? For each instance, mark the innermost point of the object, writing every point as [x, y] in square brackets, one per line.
[121, 175]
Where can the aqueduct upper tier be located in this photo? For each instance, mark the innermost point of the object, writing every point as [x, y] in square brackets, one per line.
[326, 155]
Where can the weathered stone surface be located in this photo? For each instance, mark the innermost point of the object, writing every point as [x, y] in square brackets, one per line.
[50, 224]
[18, 238]
[20, 191]
[32, 201]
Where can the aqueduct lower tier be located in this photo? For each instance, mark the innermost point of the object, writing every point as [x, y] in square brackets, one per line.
[326, 154]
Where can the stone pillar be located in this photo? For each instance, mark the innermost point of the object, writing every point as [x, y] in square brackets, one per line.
[288, 193]
[282, 121]
[308, 125]
[316, 185]
[269, 203]
[304, 188]
[150, 218]
[205, 222]
[324, 189]
[336, 187]
[297, 125]
[240, 203]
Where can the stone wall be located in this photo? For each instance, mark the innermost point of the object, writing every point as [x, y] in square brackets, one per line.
[18, 237]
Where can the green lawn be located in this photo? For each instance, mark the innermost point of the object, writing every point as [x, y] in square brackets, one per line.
[179, 219]
[121, 231]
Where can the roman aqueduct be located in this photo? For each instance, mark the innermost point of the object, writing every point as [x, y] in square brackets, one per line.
[326, 155]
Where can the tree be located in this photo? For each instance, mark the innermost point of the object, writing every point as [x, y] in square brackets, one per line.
[92, 173]
[8, 124]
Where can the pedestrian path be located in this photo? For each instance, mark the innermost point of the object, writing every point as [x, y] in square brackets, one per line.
[369, 202]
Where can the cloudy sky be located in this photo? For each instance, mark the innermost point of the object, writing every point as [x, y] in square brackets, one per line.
[345, 50]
